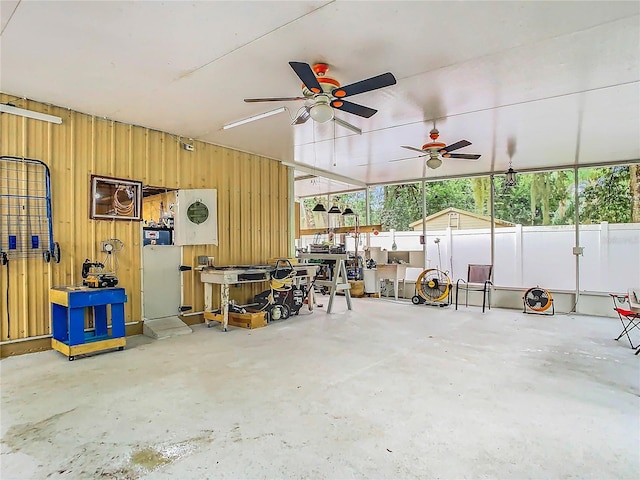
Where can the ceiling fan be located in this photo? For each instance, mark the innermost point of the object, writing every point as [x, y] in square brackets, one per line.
[323, 94]
[435, 150]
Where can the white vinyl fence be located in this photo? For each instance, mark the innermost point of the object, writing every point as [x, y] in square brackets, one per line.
[526, 256]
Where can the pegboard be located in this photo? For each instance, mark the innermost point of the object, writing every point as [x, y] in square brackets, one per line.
[26, 230]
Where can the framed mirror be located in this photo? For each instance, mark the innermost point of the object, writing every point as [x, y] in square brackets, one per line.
[115, 199]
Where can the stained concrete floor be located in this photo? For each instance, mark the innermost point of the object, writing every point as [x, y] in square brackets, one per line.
[389, 390]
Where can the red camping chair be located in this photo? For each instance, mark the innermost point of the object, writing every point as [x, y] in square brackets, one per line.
[628, 318]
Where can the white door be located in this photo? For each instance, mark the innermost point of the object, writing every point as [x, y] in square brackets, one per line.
[161, 294]
[196, 217]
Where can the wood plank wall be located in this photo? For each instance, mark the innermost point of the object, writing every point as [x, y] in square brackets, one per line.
[151, 205]
[253, 217]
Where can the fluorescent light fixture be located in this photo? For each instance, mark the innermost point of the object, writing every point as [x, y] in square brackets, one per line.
[29, 114]
[254, 118]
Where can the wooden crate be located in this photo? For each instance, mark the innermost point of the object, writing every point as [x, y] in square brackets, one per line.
[212, 317]
[248, 320]
[244, 320]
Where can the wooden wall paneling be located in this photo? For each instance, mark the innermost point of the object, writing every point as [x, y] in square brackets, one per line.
[234, 210]
[154, 160]
[33, 269]
[283, 199]
[40, 273]
[253, 181]
[265, 211]
[276, 218]
[223, 209]
[249, 205]
[138, 151]
[60, 213]
[243, 222]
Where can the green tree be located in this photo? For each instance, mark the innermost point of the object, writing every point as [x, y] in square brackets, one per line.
[607, 195]
[402, 205]
[482, 194]
[634, 187]
[536, 199]
[456, 193]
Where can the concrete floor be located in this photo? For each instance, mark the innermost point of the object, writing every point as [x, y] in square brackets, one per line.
[389, 390]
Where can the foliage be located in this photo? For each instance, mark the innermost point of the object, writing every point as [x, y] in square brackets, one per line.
[536, 199]
[482, 194]
[402, 205]
[609, 194]
[606, 196]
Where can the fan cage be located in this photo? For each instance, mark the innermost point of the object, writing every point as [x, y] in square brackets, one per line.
[537, 299]
[430, 281]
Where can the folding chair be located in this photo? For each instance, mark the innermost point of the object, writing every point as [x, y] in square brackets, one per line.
[628, 318]
[478, 280]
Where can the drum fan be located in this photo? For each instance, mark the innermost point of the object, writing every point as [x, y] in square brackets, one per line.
[432, 286]
[537, 300]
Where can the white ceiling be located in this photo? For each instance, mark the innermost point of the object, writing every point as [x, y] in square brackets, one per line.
[558, 81]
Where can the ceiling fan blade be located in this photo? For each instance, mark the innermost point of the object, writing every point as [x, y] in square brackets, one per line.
[302, 117]
[304, 71]
[464, 156]
[414, 148]
[347, 125]
[455, 146]
[373, 83]
[354, 108]
[274, 99]
[405, 159]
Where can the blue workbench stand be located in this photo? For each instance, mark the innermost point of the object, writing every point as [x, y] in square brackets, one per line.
[68, 308]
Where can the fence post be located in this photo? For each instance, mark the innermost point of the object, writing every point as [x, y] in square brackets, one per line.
[603, 251]
[519, 260]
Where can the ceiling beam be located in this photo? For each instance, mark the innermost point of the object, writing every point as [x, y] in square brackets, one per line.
[316, 172]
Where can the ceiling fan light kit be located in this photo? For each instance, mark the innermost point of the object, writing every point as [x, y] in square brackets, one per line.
[434, 162]
[438, 150]
[321, 112]
[324, 94]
